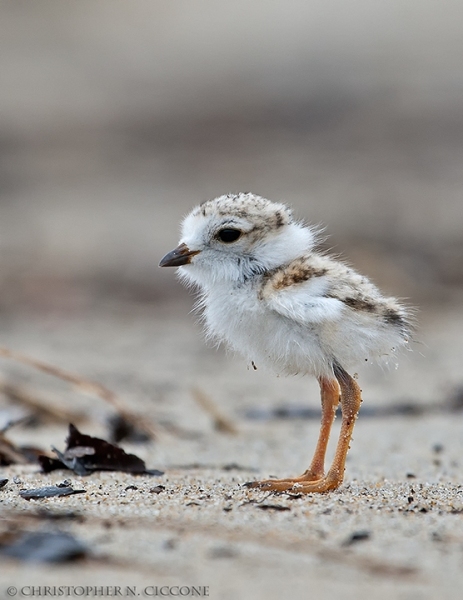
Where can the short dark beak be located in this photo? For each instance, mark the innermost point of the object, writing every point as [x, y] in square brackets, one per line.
[182, 255]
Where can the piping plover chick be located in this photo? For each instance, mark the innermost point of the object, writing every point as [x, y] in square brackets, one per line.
[267, 292]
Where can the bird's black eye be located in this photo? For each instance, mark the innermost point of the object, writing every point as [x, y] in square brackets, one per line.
[229, 235]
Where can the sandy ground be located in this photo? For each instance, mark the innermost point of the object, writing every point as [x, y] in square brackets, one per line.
[403, 484]
[116, 118]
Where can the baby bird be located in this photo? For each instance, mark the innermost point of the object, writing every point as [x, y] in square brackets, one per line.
[268, 293]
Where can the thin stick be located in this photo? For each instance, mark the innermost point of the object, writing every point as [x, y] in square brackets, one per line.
[21, 394]
[10, 452]
[221, 422]
[84, 385]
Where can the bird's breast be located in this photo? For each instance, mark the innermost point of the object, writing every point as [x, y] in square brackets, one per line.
[238, 317]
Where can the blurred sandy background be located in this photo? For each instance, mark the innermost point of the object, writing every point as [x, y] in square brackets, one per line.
[116, 117]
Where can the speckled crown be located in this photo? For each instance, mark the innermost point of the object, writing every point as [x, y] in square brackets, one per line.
[247, 206]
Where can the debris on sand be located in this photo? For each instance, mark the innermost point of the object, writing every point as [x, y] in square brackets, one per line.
[85, 454]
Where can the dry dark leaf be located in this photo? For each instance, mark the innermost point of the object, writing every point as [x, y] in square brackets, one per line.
[279, 507]
[357, 536]
[49, 492]
[85, 454]
[122, 429]
[41, 546]
[3, 483]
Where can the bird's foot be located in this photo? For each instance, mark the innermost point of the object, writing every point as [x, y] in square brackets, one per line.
[300, 485]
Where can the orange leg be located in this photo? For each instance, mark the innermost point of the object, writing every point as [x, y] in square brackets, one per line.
[314, 479]
[330, 395]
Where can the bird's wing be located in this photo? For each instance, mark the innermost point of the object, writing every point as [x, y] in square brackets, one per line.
[305, 302]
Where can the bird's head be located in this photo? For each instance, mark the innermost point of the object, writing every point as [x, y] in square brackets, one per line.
[237, 236]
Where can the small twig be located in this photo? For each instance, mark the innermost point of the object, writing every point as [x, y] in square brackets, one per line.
[84, 385]
[10, 453]
[221, 422]
[22, 395]
[13, 423]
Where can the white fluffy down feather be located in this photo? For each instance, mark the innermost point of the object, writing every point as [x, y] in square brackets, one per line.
[277, 300]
